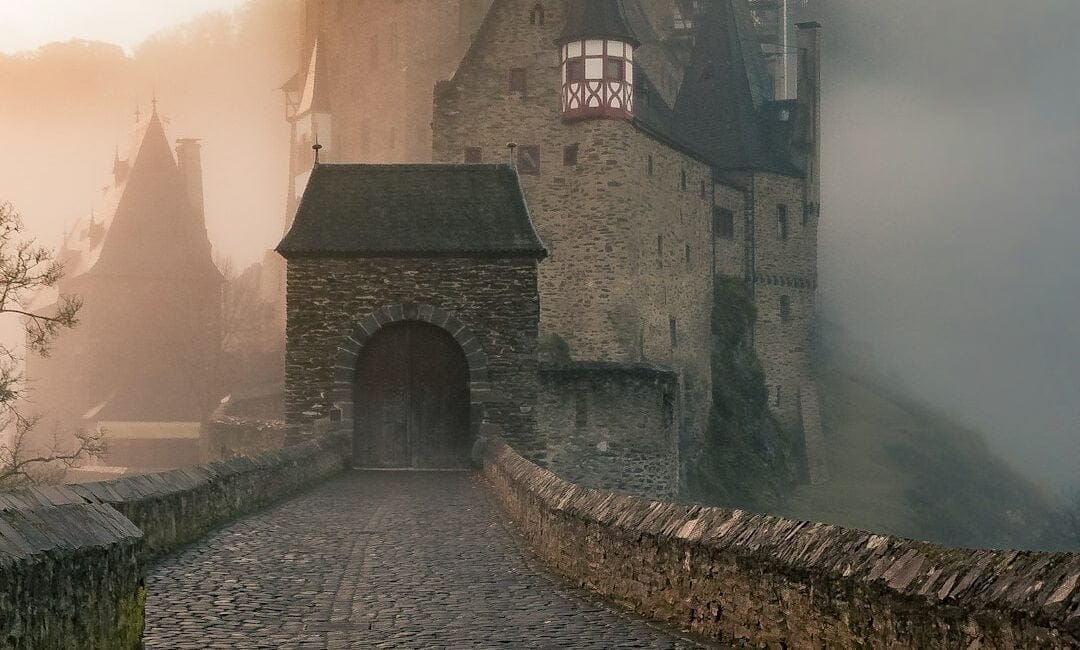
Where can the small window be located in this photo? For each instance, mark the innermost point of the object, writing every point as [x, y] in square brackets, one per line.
[660, 250]
[668, 410]
[528, 159]
[575, 70]
[536, 16]
[581, 409]
[776, 402]
[474, 155]
[682, 180]
[688, 254]
[704, 193]
[518, 77]
[650, 165]
[673, 325]
[808, 211]
[614, 69]
[785, 308]
[723, 223]
[569, 155]
[781, 222]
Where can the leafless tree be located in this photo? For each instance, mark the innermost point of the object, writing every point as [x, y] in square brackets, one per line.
[25, 270]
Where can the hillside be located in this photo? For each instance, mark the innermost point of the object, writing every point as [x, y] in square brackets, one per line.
[897, 467]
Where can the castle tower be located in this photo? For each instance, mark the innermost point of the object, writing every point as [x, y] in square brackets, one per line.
[147, 347]
[597, 62]
[364, 80]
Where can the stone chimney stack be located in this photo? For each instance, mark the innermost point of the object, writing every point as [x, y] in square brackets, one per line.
[808, 41]
[189, 158]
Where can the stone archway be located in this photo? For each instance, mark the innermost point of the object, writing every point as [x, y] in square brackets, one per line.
[369, 344]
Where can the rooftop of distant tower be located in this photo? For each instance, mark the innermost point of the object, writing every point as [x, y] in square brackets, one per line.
[430, 210]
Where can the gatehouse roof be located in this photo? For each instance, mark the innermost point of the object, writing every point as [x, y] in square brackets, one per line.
[431, 210]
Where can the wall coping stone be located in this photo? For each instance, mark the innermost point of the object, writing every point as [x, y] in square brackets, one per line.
[933, 594]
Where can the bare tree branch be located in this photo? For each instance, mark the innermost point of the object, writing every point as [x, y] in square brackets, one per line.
[26, 270]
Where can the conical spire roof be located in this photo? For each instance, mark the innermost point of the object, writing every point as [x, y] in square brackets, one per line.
[597, 19]
[723, 89]
[316, 96]
[155, 231]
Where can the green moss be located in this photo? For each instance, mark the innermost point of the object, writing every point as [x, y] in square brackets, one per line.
[749, 460]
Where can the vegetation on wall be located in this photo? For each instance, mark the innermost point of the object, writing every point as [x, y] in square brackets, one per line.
[749, 460]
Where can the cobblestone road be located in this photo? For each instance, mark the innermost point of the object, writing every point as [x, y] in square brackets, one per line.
[377, 560]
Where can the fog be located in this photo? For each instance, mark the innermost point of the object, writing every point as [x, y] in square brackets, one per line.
[950, 228]
[67, 105]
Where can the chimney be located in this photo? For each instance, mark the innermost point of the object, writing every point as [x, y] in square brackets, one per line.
[189, 158]
[808, 40]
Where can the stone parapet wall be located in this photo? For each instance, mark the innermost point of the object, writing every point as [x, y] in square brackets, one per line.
[73, 558]
[227, 436]
[71, 575]
[762, 581]
[178, 507]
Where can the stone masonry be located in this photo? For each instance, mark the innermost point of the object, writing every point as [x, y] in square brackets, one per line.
[760, 581]
[611, 425]
[495, 299]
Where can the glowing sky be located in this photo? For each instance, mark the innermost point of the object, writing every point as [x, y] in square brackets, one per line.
[28, 24]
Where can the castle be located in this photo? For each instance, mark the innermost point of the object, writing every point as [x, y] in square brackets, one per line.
[144, 361]
[657, 156]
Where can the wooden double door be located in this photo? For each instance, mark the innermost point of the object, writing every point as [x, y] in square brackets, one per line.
[411, 400]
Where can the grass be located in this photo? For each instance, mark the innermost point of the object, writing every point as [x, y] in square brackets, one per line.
[901, 468]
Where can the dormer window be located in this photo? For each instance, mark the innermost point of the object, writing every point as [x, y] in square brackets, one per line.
[598, 79]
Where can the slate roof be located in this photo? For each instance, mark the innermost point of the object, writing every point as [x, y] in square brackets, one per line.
[596, 19]
[725, 87]
[437, 210]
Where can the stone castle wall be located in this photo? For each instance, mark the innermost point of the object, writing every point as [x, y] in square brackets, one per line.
[495, 299]
[762, 581]
[785, 272]
[628, 277]
[611, 426]
[73, 558]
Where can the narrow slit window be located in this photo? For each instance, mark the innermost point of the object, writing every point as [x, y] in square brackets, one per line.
[724, 223]
[785, 308]
[518, 80]
[570, 155]
[781, 222]
[673, 326]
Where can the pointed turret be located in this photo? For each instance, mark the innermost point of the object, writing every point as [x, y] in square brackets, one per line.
[156, 230]
[597, 53]
[120, 168]
[315, 98]
[725, 86]
[313, 120]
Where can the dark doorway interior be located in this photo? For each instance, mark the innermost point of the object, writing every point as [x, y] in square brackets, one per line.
[412, 400]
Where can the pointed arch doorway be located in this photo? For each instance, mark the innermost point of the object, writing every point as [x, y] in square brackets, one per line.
[411, 399]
